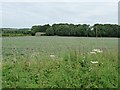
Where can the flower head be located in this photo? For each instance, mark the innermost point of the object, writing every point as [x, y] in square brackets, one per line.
[94, 62]
[52, 55]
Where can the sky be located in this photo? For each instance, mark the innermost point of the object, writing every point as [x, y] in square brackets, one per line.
[26, 14]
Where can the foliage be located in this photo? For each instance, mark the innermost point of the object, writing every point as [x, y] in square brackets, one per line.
[50, 31]
[29, 65]
[97, 30]
[39, 28]
[106, 30]
[15, 32]
[64, 29]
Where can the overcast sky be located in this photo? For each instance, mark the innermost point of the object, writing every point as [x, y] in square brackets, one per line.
[26, 14]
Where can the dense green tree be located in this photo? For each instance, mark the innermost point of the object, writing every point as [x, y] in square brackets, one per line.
[39, 28]
[65, 29]
[50, 31]
[35, 29]
[44, 28]
[15, 32]
[106, 30]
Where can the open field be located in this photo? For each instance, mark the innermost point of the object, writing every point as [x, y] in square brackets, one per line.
[52, 61]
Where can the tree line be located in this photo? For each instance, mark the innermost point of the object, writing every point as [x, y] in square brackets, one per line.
[64, 29]
[84, 30]
[15, 32]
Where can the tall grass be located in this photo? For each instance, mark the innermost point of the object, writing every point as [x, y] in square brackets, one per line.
[74, 69]
[55, 62]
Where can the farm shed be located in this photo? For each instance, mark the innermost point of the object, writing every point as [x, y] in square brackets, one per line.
[39, 34]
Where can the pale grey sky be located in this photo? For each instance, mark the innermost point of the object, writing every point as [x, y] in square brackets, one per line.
[59, 0]
[26, 14]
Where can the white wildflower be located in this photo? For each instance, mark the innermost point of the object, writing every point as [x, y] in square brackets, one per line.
[97, 50]
[92, 52]
[52, 56]
[100, 51]
[94, 62]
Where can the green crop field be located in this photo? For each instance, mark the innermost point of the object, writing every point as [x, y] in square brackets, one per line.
[55, 62]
